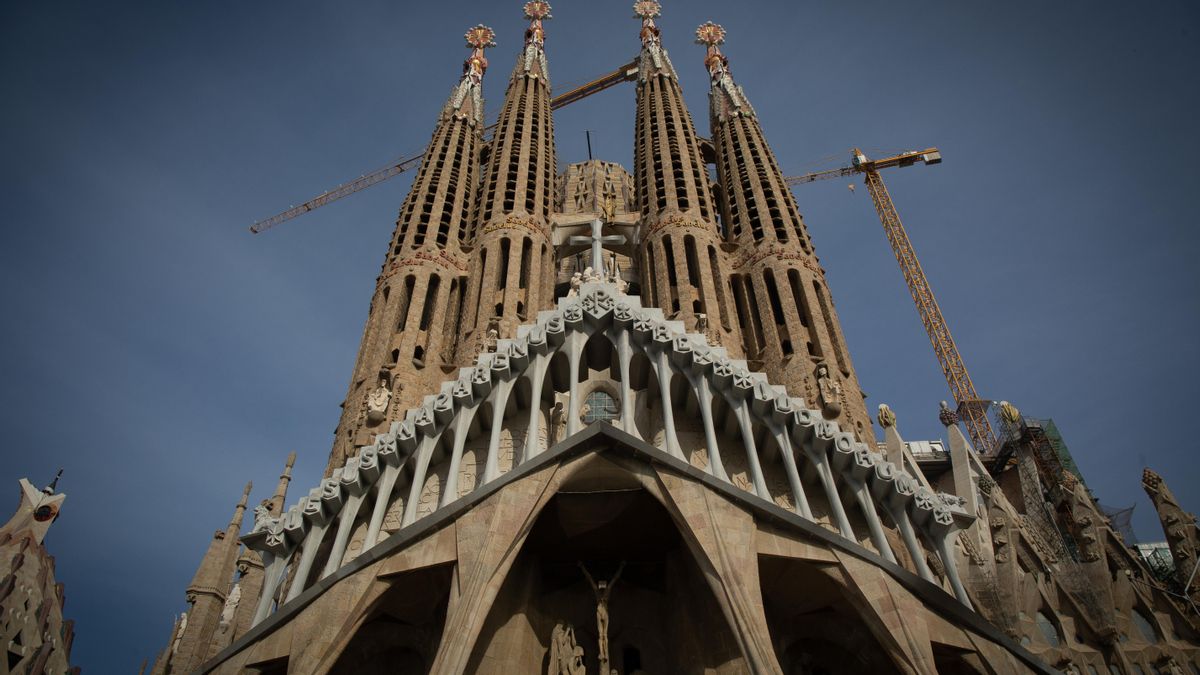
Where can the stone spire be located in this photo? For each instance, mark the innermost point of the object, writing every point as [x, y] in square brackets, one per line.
[780, 293]
[414, 315]
[277, 500]
[684, 267]
[207, 592]
[35, 514]
[37, 638]
[250, 573]
[512, 259]
[1180, 528]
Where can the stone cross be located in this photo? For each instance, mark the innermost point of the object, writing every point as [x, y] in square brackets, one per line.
[597, 240]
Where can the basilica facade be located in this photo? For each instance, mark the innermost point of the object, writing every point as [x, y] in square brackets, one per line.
[604, 422]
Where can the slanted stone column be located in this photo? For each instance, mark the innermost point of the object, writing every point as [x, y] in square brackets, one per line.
[1180, 528]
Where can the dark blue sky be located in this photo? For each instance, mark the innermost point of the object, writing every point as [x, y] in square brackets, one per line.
[165, 356]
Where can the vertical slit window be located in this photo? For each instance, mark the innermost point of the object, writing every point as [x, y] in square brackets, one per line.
[430, 300]
[669, 260]
[839, 349]
[693, 262]
[526, 261]
[722, 301]
[502, 268]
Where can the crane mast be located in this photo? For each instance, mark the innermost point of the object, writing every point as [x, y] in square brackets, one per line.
[971, 410]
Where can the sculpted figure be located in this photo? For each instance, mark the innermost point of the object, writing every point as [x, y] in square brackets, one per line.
[377, 402]
[262, 514]
[589, 275]
[602, 590]
[830, 391]
[576, 282]
[566, 657]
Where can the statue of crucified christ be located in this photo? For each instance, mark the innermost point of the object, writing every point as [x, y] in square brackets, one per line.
[602, 589]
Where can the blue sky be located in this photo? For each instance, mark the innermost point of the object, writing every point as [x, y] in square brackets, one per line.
[164, 356]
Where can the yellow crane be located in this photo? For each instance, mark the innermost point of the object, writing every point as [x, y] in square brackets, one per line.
[971, 409]
[625, 73]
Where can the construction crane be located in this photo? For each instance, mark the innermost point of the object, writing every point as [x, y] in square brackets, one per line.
[625, 73]
[971, 409]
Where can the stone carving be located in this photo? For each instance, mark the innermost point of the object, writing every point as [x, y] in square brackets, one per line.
[229, 611]
[985, 485]
[1180, 527]
[566, 657]
[492, 339]
[946, 416]
[179, 636]
[1000, 544]
[377, 402]
[603, 590]
[886, 417]
[605, 309]
[576, 282]
[262, 516]
[830, 392]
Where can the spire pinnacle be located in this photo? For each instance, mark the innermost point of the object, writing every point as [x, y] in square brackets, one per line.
[49, 489]
[712, 36]
[535, 12]
[478, 38]
[648, 11]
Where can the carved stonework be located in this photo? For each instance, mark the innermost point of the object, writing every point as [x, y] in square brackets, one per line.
[1179, 526]
[830, 391]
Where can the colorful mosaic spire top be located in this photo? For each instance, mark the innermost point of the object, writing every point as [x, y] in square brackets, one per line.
[647, 11]
[712, 36]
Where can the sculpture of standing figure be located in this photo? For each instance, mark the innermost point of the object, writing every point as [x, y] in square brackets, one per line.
[576, 282]
[602, 589]
[566, 657]
[377, 402]
[831, 392]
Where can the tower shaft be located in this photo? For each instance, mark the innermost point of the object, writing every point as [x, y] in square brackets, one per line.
[512, 251]
[684, 266]
[413, 317]
[781, 299]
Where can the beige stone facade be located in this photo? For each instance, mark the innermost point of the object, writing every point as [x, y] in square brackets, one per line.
[36, 637]
[604, 422]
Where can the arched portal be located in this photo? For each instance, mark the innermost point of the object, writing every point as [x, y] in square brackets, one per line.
[663, 617]
[814, 627]
[402, 631]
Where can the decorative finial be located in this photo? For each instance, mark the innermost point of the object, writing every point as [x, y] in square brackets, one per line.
[49, 489]
[647, 9]
[481, 37]
[536, 10]
[887, 418]
[947, 416]
[1009, 413]
[710, 34]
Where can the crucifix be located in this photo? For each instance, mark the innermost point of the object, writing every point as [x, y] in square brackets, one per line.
[597, 240]
[602, 589]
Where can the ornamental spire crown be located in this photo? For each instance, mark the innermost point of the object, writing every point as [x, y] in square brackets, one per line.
[533, 61]
[726, 98]
[469, 89]
[648, 11]
[712, 36]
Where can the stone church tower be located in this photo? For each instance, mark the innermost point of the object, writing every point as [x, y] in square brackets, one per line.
[36, 637]
[604, 422]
